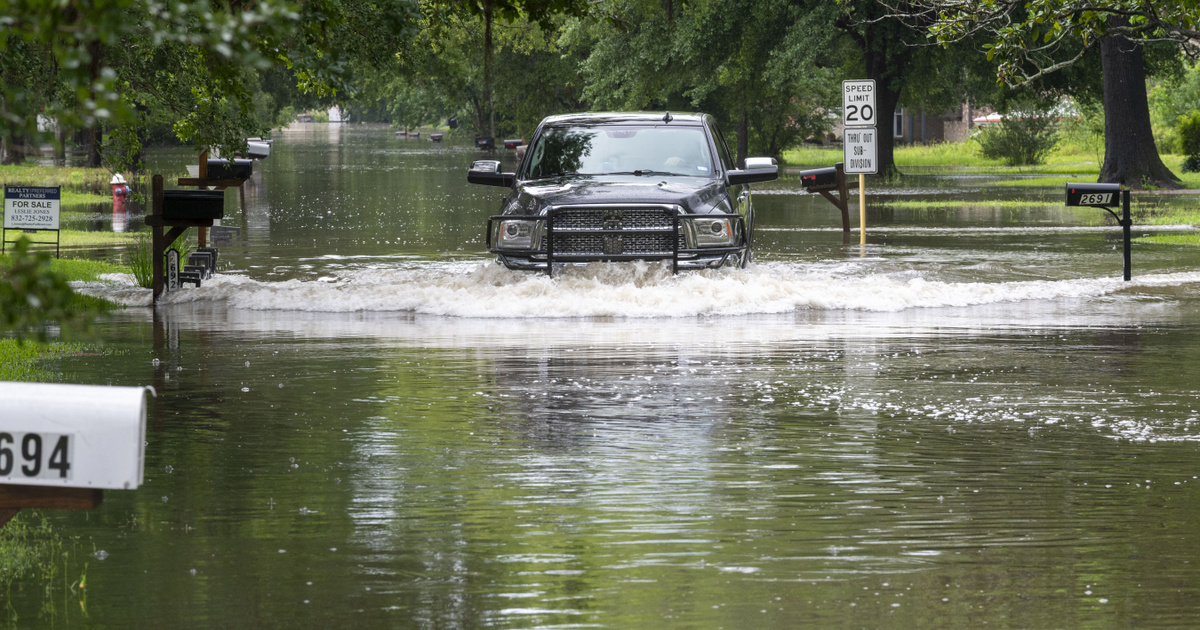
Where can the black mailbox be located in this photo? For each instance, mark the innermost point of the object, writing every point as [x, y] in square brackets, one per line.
[226, 169]
[485, 142]
[512, 145]
[435, 137]
[1097, 195]
[819, 179]
[193, 204]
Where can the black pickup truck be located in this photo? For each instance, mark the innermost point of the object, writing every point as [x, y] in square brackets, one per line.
[624, 186]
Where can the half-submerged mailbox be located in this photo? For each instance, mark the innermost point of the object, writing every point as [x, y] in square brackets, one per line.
[61, 444]
[819, 179]
[1105, 196]
[824, 180]
[193, 204]
[512, 143]
[230, 169]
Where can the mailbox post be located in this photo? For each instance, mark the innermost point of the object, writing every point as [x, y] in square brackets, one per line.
[825, 180]
[1105, 196]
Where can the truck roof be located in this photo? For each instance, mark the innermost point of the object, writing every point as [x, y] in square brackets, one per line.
[617, 118]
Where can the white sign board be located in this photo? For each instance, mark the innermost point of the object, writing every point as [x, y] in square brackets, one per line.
[31, 207]
[172, 270]
[75, 436]
[860, 151]
[858, 103]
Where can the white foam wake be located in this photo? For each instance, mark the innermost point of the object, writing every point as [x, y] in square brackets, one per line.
[617, 290]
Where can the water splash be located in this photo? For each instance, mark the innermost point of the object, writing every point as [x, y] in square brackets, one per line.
[628, 290]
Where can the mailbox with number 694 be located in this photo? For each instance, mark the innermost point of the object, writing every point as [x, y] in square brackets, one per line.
[74, 436]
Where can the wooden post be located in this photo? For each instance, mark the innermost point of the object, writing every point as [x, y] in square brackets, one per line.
[13, 499]
[862, 209]
[157, 245]
[202, 233]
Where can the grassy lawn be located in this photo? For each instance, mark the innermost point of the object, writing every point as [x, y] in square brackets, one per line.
[83, 180]
[965, 157]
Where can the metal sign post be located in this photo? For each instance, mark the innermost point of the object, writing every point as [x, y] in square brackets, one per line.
[860, 150]
[1105, 196]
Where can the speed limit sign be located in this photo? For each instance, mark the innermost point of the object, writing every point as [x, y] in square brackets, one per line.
[858, 103]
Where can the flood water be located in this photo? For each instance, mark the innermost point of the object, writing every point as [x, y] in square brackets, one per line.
[972, 421]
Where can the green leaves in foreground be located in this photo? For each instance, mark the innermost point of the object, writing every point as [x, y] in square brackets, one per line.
[33, 295]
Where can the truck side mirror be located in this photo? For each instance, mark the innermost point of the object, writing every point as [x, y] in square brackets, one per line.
[487, 173]
[758, 169]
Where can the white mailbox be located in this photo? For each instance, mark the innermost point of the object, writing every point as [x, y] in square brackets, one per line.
[74, 436]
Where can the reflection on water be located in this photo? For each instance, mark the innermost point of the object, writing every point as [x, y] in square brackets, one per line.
[983, 430]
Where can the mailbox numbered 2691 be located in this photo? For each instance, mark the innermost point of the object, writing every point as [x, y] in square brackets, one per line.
[1106, 196]
[1095, 195]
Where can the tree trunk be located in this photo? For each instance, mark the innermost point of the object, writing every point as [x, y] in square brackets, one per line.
[886, 100]
[1130, 155]
[91, 141]
[743, 138]
[488, 18]
[94, 134]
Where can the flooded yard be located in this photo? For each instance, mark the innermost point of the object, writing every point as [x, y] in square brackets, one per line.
[970, 421]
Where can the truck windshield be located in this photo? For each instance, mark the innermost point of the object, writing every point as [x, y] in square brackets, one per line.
[621, 150]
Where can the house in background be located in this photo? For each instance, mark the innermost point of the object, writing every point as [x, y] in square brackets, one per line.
[915, 126]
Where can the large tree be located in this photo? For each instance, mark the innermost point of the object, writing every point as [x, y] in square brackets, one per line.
[1030, 39]
[763, 68]
[110, 62]
[904, 66]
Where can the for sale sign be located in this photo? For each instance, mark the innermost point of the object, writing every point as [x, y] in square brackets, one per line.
[31, 207]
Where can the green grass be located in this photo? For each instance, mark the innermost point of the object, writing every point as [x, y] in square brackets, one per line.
[83, 180]
[1184, 217]
[30, 546]
[72, 197]
[1016, 204]
[952, 155]
[79, 269]
[80, 239]
[22, 360]
[1171, 239]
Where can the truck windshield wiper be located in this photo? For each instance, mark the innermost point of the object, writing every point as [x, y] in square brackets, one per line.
[641, 172]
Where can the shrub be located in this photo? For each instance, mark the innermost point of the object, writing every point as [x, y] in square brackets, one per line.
[1189, 140]
[1020, 139]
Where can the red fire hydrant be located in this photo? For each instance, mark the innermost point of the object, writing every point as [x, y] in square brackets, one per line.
[120, 190]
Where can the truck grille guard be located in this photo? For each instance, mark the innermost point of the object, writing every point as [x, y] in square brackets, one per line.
[568, 229]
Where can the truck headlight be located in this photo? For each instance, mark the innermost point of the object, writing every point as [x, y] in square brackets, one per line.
[713, 232]
[513, 234]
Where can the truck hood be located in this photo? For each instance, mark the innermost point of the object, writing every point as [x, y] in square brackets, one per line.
[695, 194]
